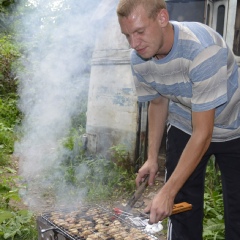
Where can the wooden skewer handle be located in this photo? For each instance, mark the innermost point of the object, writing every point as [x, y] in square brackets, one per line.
[181, 207]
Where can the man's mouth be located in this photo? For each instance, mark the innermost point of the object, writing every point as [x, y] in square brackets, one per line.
[141, 50]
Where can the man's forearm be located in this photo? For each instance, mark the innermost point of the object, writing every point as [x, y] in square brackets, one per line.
[157, 115]
[194, 150]
[188, 162]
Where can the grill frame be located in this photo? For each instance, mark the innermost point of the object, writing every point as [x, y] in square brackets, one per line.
[59, 232]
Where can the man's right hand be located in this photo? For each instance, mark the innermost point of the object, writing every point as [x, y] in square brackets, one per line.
[150, 167]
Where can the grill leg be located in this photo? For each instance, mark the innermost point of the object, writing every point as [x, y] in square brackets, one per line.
[49, 234]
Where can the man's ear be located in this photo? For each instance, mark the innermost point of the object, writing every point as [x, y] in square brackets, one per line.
[163, 17]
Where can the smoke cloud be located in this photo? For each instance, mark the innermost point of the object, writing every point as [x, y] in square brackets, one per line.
[59, 36]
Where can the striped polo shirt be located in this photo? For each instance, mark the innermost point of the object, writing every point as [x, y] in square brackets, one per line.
[199, 73]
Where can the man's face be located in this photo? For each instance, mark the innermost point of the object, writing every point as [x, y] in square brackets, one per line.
[144, 34]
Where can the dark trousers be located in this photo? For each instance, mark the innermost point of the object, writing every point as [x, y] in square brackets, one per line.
[188, 225]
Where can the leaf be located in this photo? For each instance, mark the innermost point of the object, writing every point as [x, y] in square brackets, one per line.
[10, 170]
[9, 234]
[4, 189]
[13, 195]
[25, 213]
[4, 215]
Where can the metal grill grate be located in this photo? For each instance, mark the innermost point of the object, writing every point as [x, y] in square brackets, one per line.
[97, 222]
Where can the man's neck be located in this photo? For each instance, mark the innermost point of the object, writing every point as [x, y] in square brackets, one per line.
[169, 41]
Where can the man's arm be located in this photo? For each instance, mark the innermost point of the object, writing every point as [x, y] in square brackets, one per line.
[197, 145]
[157, 115]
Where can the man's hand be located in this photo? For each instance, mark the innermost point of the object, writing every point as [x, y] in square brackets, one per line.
[160, 207]
[150, 167]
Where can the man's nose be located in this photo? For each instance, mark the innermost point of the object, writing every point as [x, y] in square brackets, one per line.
[134, 42]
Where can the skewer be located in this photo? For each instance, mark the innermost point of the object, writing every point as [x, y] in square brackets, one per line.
[119, 211]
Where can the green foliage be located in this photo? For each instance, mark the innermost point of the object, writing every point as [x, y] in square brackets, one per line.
[121, 157]
[74, 140]
[6, 9]
[102, 179]
[9, 113]
[4, 4]
[14, 223]
[7, 190]
[213, 224]
[9, 117]
[99, 176]
[9, 53]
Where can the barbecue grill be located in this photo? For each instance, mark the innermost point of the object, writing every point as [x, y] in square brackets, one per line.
[93, 222]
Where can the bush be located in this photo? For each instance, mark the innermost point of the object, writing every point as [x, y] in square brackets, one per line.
[9, 53]
[9, 117]
[213, 224]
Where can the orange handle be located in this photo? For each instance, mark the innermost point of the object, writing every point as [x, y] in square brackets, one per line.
[181, 207]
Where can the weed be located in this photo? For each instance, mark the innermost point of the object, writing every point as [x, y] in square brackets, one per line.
[9, 53]
[121, 157]
[213, 224]
[15, 225]
[9, 116]
[101, 178]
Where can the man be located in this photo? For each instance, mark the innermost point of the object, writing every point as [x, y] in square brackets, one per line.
[191, 79]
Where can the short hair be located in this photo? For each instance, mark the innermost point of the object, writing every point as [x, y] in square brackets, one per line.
[152, 7]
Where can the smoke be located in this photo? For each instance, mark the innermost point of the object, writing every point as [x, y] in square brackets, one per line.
[59, 38]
